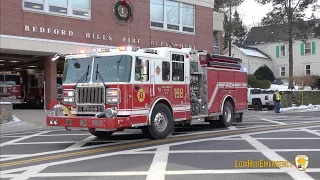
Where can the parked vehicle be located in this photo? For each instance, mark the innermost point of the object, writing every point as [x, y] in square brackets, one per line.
[258, 100]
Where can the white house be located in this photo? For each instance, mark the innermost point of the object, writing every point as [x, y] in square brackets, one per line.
[272, 40]
[252, 58]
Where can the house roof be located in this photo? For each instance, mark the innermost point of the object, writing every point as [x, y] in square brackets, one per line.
[250, 51]
[275, 33]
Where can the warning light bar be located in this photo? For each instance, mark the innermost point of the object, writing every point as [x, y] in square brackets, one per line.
[122, 48]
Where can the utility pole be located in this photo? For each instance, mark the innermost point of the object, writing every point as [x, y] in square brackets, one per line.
[230, 27]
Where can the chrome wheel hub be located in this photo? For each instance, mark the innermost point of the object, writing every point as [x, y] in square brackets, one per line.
[161, 121]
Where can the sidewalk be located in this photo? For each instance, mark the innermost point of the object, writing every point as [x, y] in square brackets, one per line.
[27, 120]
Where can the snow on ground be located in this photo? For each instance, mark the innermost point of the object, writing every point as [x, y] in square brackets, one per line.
[302, 108]
[284, 87]
[14, 120]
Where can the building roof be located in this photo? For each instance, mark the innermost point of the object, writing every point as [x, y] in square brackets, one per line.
[250, 51]
[275, 33]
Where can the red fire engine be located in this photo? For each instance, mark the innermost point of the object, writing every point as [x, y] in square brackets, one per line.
[27, 89]
[10, 87]
[153, 89]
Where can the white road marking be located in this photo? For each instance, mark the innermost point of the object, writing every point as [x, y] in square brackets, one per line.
[311, 131]
[22, 138]
[62, 151]
[159, 163]
[81, 143]
[295, 150]
[7, 136]
[284, 138]
[277, 122]
[48, 142]
[182, 172]
[30, 173]
[130, 151]
[128, 141]
[270, 154]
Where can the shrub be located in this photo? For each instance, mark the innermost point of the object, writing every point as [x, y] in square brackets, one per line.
[265, 84]
[264, 73]
[252, 81]
[255, 83]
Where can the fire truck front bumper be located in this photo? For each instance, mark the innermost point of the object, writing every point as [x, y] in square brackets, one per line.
[12, 100]
[85, 122]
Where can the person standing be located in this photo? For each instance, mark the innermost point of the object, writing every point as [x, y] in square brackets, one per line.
[277, 100]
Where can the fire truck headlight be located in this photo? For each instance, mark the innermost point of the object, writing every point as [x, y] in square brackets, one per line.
[71, 93]
[51, 122]
[110, 113]
[112, 96]
[55, 122]
[68, 99]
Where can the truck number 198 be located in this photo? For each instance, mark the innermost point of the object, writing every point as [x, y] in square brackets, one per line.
[178, 92]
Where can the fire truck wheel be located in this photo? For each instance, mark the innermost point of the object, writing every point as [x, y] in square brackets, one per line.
[102, 134]
[161, 123]
[228, 114]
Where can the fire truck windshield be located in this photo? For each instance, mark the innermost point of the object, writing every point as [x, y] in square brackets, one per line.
[74, 69]
[108, 67]
[10, 79]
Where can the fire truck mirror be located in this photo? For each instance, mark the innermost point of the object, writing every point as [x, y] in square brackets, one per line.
[77, 65]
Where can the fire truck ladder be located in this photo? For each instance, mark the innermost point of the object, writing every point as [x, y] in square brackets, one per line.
[225, 62]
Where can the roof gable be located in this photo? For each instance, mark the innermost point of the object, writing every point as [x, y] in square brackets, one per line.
[251, 51]
[275, 33]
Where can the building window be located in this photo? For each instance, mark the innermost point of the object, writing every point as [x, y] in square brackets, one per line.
[177, 67]
[283, 51]
[307, 48]
[172, 15]
[282, 71]
[308, 69]
[216, 42]
[75, 8]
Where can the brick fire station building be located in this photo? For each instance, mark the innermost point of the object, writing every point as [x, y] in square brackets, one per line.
[33, 31]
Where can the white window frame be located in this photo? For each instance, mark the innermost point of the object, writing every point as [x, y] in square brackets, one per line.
[305, 48]
[308, 69]
[219, 41]
[282, 71]
[181, 18]
[69, 9]
[283, 53]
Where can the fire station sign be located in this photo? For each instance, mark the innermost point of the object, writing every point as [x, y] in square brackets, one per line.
[97, 36]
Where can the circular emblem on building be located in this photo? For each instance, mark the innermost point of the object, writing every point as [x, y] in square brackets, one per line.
[122, 10]
[158, 70]
[141, 95]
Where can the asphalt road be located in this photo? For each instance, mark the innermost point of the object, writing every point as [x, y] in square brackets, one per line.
[196, 152]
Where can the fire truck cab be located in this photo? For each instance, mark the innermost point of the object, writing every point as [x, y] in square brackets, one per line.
[154, 89]
[10, 87]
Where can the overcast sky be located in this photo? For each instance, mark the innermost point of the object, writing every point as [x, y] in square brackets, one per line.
[252, 12]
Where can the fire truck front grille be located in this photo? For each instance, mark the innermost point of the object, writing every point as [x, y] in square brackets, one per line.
[90, 95]
[90, 109]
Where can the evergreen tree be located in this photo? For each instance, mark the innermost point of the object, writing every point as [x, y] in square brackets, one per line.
[289, 13]
[223, 6]
[264, 73]
[239, 32]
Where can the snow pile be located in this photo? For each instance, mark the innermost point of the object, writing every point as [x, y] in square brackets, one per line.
[285, 88]
[303, 108]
